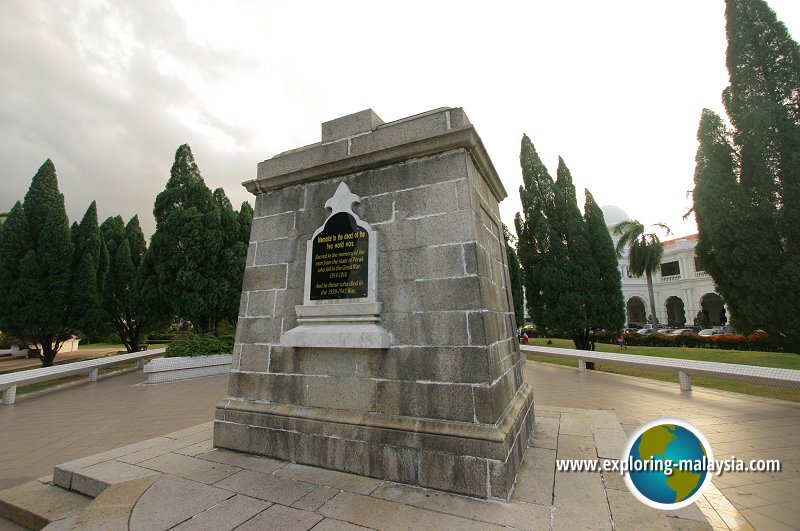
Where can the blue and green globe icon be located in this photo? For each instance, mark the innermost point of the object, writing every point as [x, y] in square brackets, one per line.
[668, 463]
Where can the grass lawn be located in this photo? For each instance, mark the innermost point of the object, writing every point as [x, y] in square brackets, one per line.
[110, 346]
[781, 360]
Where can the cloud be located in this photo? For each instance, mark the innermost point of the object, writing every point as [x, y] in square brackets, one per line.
[109, 89]
[108, 94]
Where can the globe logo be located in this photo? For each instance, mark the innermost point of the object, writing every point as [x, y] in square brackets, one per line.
[667, 462]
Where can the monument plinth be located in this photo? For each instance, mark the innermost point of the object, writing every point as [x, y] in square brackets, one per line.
[376, 332]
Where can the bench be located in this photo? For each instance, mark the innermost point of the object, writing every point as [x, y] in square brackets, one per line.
[10, 381]
[788, 378]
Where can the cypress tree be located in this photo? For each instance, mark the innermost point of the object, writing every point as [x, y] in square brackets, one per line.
[570, 271]
[196, 256]
[136, 241]
[37, 269]
[606, 303]
[185, 242]
[90, 263]
[15, 291]
[538, 246]
[569, 286]
[515, 278]
[747, 181]
[113, 230]
[573, 309]
[123, 304]
[232, 259]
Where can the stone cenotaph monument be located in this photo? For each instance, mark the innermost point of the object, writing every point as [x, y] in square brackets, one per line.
[376, 332]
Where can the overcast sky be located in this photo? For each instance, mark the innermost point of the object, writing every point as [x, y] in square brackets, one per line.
[109, 89]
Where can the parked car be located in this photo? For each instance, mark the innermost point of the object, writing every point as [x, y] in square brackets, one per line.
[664, 330]
[681, 331]
[645, 331]
[708, 332]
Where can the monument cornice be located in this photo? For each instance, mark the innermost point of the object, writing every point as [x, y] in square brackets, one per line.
[342, 157]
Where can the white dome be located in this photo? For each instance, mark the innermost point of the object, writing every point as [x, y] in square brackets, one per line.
[614, 214]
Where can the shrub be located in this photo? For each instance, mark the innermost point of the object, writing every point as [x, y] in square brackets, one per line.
[727, 341]
[6, 341]
[764, 342]
[163, 337]
[761, 341]
[193, 344]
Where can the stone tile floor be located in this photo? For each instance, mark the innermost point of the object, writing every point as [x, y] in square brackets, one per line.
[744, 426]
[179, 480]
[39, 432]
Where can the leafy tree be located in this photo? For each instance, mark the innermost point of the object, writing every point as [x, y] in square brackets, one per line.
[41, 277]
[644, 253]
[747, 180]
[567, 278]
[196, 256]
[515, 277]
[3, 216]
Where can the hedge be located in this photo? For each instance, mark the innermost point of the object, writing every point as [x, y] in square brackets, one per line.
[193, 344]
[760, 341]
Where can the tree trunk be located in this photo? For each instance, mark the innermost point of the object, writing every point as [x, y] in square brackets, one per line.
[48, 354]
[134, 342]
[649, 277]
[583, 340]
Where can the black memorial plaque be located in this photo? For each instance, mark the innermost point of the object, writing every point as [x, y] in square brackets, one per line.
[340, 260]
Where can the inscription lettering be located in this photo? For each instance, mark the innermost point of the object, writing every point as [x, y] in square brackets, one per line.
[340, 260]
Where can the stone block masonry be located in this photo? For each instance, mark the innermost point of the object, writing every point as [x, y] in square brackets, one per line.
[443, 405]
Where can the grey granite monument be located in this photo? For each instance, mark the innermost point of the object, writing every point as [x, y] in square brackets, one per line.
[376, 332]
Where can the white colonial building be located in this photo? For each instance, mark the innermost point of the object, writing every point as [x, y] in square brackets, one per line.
[681, 288]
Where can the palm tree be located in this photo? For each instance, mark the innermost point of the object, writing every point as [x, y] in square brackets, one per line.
[644, 252]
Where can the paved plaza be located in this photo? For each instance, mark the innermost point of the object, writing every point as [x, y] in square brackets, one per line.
[42, 431]
[151, 446]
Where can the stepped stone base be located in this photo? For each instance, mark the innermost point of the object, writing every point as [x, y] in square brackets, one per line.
[472, 459]
[38, 503]
[196, 486]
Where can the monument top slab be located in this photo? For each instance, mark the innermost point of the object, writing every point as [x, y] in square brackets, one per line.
[362, 141]
[350, 125]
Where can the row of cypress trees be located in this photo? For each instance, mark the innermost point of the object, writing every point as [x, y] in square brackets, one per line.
[90, 278]
[571, 276]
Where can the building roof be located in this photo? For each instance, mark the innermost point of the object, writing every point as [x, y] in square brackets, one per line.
[691, 237]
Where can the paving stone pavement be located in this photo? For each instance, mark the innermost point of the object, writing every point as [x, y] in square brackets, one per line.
[188, 484]
[41, 431]
[739, 425]
[179, 481]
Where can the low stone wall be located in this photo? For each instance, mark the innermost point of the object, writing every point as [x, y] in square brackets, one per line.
[172, 369]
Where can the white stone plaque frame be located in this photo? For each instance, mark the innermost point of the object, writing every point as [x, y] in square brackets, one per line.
[341, 323]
